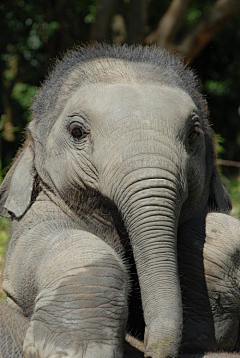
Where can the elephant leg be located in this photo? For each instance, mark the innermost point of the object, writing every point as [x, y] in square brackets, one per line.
[13, 328]
[81, 308]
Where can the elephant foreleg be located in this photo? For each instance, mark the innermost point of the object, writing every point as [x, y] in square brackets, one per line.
[13, 327]
[81, 307]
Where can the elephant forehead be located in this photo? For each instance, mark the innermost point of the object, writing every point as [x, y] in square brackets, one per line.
[144, 104]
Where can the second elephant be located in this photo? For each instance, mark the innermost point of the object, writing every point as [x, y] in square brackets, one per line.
[209, 263]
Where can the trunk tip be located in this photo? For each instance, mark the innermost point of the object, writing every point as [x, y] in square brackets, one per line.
[159, 345]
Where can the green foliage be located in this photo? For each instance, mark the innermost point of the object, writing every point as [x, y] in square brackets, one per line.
[233, 188]
[91, 15]
[23, 93]
[193, 15]
[196, 10]
[3, 297]
[219, 141]
[217, 88]
[4, 235]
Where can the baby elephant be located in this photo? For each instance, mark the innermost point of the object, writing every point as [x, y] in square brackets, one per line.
[119, 154]
[209, 259]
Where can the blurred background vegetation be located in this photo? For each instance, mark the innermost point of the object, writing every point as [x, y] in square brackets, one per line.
[205, 32]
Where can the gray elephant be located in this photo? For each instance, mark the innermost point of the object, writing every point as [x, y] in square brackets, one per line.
[209, 265]
[118, 154]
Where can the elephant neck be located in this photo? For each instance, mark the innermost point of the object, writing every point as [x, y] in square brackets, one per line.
[47, 207]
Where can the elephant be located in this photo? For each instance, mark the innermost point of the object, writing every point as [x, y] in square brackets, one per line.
[209, 266]
[209, 259]
[119, 153]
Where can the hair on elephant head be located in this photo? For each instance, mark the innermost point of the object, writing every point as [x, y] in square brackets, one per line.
[124, 131]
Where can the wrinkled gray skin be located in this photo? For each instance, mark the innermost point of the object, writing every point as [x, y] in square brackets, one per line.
[12, 332]
[209, 264]
[210, 281]
[118, 154]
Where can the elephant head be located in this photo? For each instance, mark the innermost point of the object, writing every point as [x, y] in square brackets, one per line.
[125, 128]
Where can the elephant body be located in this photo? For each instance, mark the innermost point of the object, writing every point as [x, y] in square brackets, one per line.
[209, 269]
[118, 156]
[86, 284]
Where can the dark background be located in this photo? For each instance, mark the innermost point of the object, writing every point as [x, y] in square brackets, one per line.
[206, 33]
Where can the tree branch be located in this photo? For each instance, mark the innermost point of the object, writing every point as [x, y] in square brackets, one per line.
[228, 163]
[221, 12]
[169, 24]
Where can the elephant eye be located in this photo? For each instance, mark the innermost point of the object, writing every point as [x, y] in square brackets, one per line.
[194, 134]
[76, 131]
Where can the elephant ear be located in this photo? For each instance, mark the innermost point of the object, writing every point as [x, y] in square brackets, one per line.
[218, 196]
[16, 189]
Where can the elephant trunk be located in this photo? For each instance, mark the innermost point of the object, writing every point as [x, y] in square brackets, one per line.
[150, 208]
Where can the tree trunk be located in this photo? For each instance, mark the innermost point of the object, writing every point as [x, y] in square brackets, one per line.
[136, 21]
[104, 12]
